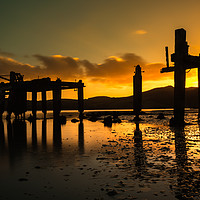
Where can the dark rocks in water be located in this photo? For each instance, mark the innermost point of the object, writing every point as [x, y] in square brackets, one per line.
[160, 116]
[116, 120]
[22, 179]
[137, 119]
[74, 120]
[112, 193]
[107, 121]
[93, 118]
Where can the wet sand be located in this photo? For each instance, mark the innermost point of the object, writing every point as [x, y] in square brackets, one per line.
[88, 160]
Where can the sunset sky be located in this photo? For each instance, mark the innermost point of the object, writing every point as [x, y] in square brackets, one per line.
[98, 41]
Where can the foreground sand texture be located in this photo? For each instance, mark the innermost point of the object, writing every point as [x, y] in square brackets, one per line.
[93, 161]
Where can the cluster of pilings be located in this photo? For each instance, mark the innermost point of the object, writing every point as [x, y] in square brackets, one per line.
[16, 89]
[182, 61]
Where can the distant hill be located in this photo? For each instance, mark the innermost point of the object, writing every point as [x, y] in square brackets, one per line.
[155, 98]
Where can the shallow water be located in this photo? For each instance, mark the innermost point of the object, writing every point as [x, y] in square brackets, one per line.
[91, 161]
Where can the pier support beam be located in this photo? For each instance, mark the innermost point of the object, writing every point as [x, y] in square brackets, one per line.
[181, 50]
[44, 103]
[80, 99]
[137, 92]
[34, 104]
[57, 99]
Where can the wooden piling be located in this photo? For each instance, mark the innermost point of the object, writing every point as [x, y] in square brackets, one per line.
[80, 98]
[34, 104]
[137, 92]
[57, 99]
[44, 103]
[181, 50]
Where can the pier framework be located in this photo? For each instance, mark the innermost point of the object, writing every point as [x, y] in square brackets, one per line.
[17, 89]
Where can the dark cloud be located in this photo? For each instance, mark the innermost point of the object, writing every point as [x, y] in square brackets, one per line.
[6, 54]
[62, 66]
[9, 64]
[114, 70]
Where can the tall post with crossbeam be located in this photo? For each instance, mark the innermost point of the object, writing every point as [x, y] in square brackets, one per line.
[182, 61]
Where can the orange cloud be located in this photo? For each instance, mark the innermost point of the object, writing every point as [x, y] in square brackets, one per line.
[140, 32]
[114, 74]
[114, 70]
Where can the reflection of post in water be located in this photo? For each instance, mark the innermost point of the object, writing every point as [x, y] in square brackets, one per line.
[44, 132]
[180, 148]
[185, 180]
[19, 132]
[34, 133]
[2, 137]
[81, 137]
[57, 142]
[17, 139]
[139, 151]
[9, 133]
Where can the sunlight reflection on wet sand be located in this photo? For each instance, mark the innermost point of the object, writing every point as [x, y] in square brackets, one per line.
[88, 160]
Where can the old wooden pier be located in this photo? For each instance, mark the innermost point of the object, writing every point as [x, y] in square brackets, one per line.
[17, 89]
[182, 61]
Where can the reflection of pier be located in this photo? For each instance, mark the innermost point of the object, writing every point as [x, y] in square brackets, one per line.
[17, 90]
[17, 139]
[17, 142]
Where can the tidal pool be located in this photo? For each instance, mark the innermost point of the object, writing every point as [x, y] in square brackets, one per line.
[88, 160]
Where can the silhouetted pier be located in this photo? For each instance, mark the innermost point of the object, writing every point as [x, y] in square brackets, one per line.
[182, 61]
[17, 89]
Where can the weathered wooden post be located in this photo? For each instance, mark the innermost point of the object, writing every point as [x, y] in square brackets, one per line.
[44, 103]
[137, 92]
[34, 103]
[181, 51]
[57, 99]
[80, 99]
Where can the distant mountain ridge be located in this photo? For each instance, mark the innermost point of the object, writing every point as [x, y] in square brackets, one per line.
[156, 98]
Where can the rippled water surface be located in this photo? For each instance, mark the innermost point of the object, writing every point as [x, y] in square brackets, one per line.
[88, 160]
